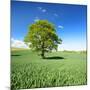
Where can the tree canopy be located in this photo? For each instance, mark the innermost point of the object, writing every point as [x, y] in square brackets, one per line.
[42, 36]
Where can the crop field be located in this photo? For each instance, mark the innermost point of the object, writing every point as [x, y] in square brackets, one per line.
[29, 70]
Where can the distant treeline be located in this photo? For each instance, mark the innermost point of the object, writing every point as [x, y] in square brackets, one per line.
[83, 51]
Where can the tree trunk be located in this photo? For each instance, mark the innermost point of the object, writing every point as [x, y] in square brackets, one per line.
[43, 51]
[43, 54]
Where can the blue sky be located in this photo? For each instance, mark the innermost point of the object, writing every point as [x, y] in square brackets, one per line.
[69, 20]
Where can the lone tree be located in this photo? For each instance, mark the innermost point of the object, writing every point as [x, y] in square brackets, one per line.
[42, 36]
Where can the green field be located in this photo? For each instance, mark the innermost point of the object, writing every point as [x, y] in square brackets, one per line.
[29, 70]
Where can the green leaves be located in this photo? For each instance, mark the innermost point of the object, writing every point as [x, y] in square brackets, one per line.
[42, 35]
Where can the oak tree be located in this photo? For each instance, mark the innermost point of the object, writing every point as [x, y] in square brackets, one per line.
[42, 36]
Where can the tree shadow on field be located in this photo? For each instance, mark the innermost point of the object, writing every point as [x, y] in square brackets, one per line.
[16, 55]
[54, 57]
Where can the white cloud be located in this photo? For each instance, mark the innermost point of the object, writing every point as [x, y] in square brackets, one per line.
[60, 47]
[60, 26]
[56, 15]
[71, 47]
[36, 19]
[42, 9]
[18, 44]
[39, 8]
